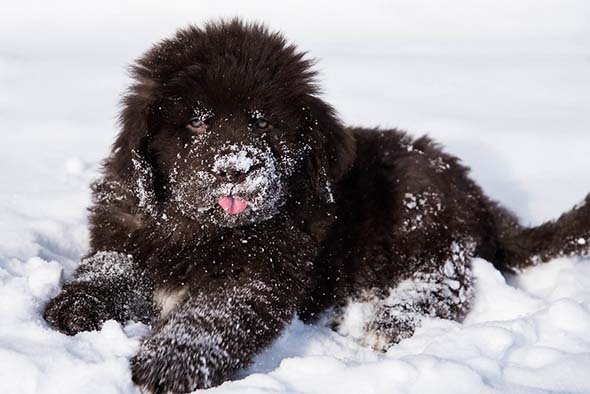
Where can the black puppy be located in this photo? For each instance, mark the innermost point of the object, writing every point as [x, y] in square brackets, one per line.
[235, 198]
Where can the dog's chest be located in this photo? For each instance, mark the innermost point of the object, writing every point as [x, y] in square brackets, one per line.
[166, 300]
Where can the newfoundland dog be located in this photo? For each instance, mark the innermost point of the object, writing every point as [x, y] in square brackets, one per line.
[234, 199]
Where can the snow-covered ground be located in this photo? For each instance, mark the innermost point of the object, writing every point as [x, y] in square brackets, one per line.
[504, 84]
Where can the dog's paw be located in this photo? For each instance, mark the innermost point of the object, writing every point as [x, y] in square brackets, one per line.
[168, 364]
[166, 369]
[76, 309]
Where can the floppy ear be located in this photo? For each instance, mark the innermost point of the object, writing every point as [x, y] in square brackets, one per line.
[333, 146]
[130, 160]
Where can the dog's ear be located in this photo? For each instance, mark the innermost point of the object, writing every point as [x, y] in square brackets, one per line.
[333, 146]
[130, 161]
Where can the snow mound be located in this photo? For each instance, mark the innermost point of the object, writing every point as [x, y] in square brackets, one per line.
[530, 336]
[36, 359]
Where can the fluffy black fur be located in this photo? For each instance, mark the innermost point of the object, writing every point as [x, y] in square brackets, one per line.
[334, 215]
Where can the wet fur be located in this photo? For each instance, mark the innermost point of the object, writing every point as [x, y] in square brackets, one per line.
[368, 216]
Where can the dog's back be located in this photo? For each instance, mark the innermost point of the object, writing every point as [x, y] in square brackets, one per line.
[406, 205]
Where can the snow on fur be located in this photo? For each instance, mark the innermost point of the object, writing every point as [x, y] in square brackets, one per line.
[263, 186]
[377, 322]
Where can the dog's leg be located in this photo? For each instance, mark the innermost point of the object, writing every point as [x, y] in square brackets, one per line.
[442, 289]
[107, 285]
[215, 331]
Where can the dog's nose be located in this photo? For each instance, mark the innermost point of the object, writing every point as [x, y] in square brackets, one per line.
[231, 175]
[233, 167]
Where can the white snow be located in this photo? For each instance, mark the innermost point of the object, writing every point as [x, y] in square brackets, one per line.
[240, 159]
[503, 84]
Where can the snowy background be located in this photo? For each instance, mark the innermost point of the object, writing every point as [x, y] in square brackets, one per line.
[504, 84]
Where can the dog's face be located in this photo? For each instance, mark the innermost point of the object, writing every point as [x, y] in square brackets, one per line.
[223, 127]
[230, 163]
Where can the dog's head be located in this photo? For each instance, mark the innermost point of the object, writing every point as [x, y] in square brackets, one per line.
[223, 125]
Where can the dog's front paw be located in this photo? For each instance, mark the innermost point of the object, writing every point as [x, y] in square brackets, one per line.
[170, 364]
[77, 308]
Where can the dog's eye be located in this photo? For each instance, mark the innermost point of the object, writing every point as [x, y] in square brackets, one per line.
[197, 125]
[261, 123]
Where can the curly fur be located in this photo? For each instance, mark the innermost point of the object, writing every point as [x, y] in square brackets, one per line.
[338, 217]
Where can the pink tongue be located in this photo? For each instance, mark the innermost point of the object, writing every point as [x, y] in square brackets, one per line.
[232, 205]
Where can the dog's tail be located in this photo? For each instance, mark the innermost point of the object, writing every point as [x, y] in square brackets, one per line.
[520, 247]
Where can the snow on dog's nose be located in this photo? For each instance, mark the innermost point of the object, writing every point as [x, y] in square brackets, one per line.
[234, 167]
[247, 180]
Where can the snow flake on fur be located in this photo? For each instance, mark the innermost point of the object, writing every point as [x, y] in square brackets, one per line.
[144, 179]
